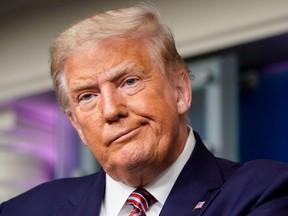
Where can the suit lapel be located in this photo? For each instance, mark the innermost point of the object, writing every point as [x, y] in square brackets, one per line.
[199, 181]
[87, 198]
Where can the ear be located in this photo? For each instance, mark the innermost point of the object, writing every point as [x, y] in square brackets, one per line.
[76, 125]
[183, 93]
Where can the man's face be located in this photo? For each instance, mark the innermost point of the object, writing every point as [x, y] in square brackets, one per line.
[126, 110]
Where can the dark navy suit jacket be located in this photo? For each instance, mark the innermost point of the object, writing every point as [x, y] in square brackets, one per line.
[257, 188]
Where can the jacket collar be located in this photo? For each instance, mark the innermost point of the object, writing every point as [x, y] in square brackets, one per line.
[87, 198]
[198, 182]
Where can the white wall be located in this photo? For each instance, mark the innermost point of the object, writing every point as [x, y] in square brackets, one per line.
[199, 26]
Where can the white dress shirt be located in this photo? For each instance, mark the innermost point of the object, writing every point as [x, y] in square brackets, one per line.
[116, 193]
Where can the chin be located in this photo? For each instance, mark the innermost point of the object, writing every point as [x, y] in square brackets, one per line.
[133, 164]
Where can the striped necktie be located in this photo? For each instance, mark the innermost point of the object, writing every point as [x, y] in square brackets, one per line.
[141, 200]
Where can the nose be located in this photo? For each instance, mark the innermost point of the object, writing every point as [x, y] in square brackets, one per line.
[113, 104]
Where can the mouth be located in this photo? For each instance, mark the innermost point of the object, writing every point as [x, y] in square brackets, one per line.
[125, 135]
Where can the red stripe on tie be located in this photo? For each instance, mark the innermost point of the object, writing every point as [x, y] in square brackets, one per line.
[141, 200]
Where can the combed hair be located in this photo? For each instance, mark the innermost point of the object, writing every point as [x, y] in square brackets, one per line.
[137, 22]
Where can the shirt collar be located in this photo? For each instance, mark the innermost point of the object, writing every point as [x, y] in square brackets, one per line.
[113, 203]
[160, 188]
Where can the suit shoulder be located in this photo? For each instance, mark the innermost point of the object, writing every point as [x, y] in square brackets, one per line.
[64, 185]
[265, 168]
[259, 187]
[46, 194]
[261, 175]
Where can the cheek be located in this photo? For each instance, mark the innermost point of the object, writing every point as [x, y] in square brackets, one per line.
[90, 128]
[155, 99]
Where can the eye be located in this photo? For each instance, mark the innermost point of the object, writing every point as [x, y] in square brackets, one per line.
[86, 97]
[131, 84]
[131, 81]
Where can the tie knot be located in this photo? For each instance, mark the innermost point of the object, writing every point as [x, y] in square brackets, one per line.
[141, 201]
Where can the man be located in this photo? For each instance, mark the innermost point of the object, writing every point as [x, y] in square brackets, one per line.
[127, 91]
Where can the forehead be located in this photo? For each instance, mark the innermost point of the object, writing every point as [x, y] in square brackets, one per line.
[111, 53]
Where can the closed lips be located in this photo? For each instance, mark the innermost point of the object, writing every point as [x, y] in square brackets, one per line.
[125, 134]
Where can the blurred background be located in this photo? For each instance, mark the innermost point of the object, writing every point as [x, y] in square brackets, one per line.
[237, 50]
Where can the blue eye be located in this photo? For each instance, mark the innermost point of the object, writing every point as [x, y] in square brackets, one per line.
[86, 97]
[131, 81]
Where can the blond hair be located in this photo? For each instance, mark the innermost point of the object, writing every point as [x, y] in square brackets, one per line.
[137, 22]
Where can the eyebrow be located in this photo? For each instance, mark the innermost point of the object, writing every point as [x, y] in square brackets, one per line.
[112, 74]
[82, 86]
[120, 70]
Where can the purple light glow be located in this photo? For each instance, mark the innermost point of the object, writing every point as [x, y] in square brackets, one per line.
[43, 132]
